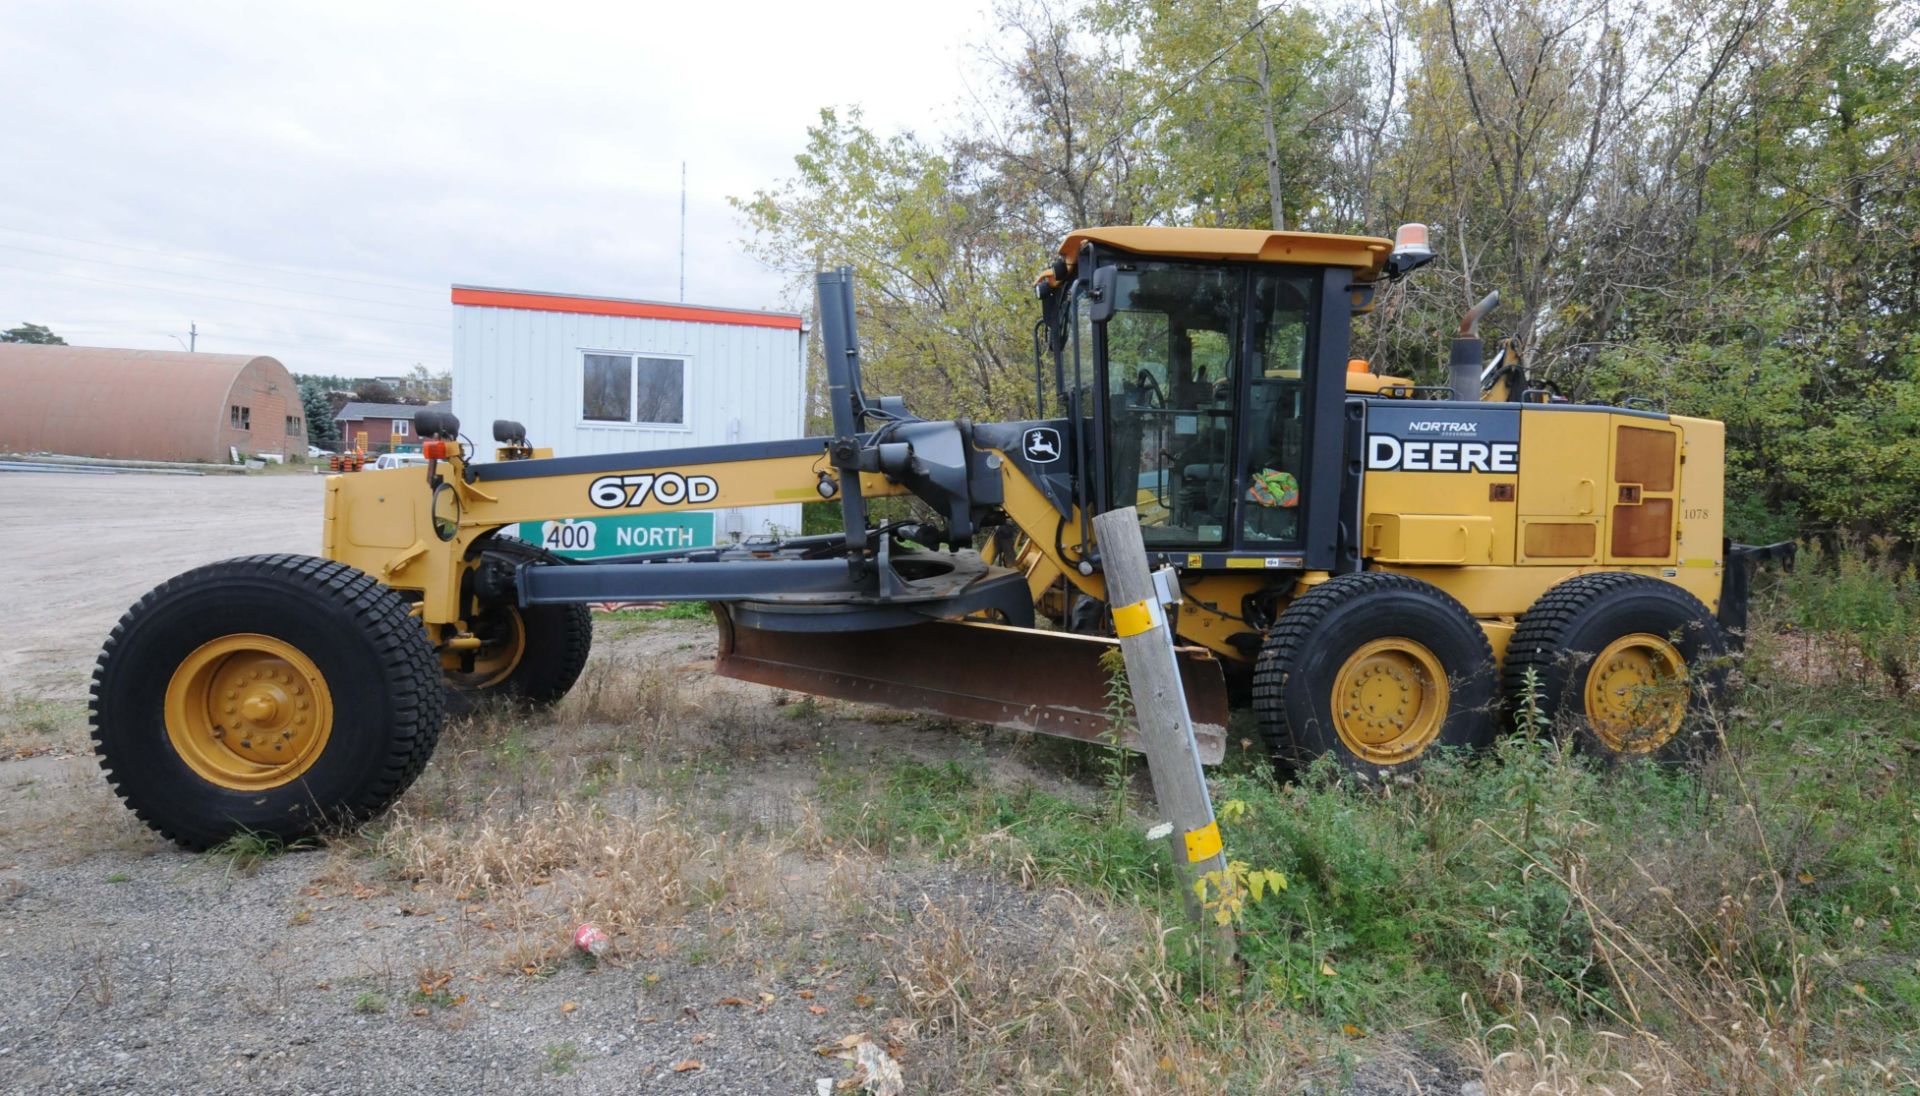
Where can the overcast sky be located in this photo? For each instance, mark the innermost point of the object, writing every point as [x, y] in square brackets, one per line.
[307, 179]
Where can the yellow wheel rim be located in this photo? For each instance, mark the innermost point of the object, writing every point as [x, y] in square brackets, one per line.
[1389, 700]
[494, 662]
[248, 712]
[1637, 693]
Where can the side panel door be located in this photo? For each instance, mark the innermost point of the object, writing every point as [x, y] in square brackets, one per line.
[1643, 491]
[1563, 486]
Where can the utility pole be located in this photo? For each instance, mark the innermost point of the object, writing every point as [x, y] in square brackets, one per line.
[683, 232]
[193, 336]
[1140, 604]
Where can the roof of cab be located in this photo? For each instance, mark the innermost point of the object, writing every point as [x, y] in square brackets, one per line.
[1365, 254]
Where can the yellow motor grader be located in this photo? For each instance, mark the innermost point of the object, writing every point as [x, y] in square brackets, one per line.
[1381, 567]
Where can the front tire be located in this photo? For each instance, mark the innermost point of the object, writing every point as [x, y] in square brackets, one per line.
[1376, 670]
[530, 656]
[281, 695]
[1625, 659]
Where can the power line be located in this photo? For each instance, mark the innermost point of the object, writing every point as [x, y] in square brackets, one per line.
[223, 330]
[223, 281]
[222, 297]
[414, 288]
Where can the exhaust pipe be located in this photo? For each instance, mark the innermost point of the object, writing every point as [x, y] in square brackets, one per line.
[1463, 365]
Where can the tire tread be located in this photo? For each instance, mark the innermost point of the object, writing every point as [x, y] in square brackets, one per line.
[412, 682]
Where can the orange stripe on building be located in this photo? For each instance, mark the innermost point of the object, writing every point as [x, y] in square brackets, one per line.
[598, 306]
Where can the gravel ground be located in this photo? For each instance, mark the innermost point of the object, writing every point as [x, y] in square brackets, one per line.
[133, 967]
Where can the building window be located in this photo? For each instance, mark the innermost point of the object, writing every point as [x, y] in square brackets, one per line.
[240, 417]
[295, 426]
[633, 388]
[401, 427]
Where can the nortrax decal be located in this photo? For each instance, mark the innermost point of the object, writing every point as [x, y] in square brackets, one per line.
[1442, 439]
[666, 488]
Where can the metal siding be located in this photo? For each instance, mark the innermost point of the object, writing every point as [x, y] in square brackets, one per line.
[511, 363]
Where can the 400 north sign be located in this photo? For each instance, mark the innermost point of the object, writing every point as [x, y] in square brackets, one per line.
[626, 534]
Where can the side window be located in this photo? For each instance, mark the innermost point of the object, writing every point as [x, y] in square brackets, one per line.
[402, 428]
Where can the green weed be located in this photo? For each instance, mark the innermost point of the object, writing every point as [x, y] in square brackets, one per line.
[1747, 920]
[672, 610]
[247, 850]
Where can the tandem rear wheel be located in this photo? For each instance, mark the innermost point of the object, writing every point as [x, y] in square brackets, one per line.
[1377, 671]
[1629, 663]
[281, 695]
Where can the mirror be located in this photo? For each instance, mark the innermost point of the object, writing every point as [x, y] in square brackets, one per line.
[1100, 297]
[446, 512]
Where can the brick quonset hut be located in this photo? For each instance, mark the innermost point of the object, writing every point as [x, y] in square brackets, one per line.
[146, 404]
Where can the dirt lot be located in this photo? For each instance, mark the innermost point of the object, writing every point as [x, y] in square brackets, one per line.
[430, 952]
[76, 550]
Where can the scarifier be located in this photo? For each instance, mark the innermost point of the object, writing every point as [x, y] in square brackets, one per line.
[1384, 568]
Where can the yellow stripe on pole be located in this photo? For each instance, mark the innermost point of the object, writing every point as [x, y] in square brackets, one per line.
[1203, 843]
[1131, 620]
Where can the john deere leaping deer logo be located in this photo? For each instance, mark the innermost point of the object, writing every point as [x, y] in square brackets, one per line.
[1042, 445]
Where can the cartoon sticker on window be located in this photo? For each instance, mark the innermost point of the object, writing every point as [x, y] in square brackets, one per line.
[1271, 487]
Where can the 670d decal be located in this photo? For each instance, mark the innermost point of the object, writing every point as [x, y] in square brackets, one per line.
[666, 488]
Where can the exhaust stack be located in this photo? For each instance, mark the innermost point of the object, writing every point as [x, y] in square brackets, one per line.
[1463, 365]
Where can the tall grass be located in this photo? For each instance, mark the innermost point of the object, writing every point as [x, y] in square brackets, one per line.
[1749, 926]
[1862, 605]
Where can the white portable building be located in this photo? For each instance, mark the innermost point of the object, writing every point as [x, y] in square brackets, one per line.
[589, 375]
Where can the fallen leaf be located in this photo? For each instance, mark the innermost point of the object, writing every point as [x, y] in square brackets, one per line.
[569, 1006]
[767, 998]
[862, 1000]
[805, 995]
[817, 1010]
[734, 1002]
[687, 1065]
[1326, 968]
[419, 1012]
[1352, 1030]
[1805, 877]
[701, 1037]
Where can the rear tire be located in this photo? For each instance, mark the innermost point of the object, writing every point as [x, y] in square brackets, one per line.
[1377, 670]
[281, 695]
[1628, 661]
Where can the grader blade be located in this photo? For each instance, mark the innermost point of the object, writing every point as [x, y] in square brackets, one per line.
[1046, 682]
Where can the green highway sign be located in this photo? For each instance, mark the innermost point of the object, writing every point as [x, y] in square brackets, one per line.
[586, 538]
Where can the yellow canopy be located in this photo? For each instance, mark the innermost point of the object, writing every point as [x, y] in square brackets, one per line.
[1365, 254]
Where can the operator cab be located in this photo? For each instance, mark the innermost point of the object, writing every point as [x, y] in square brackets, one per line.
[1205, 372]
